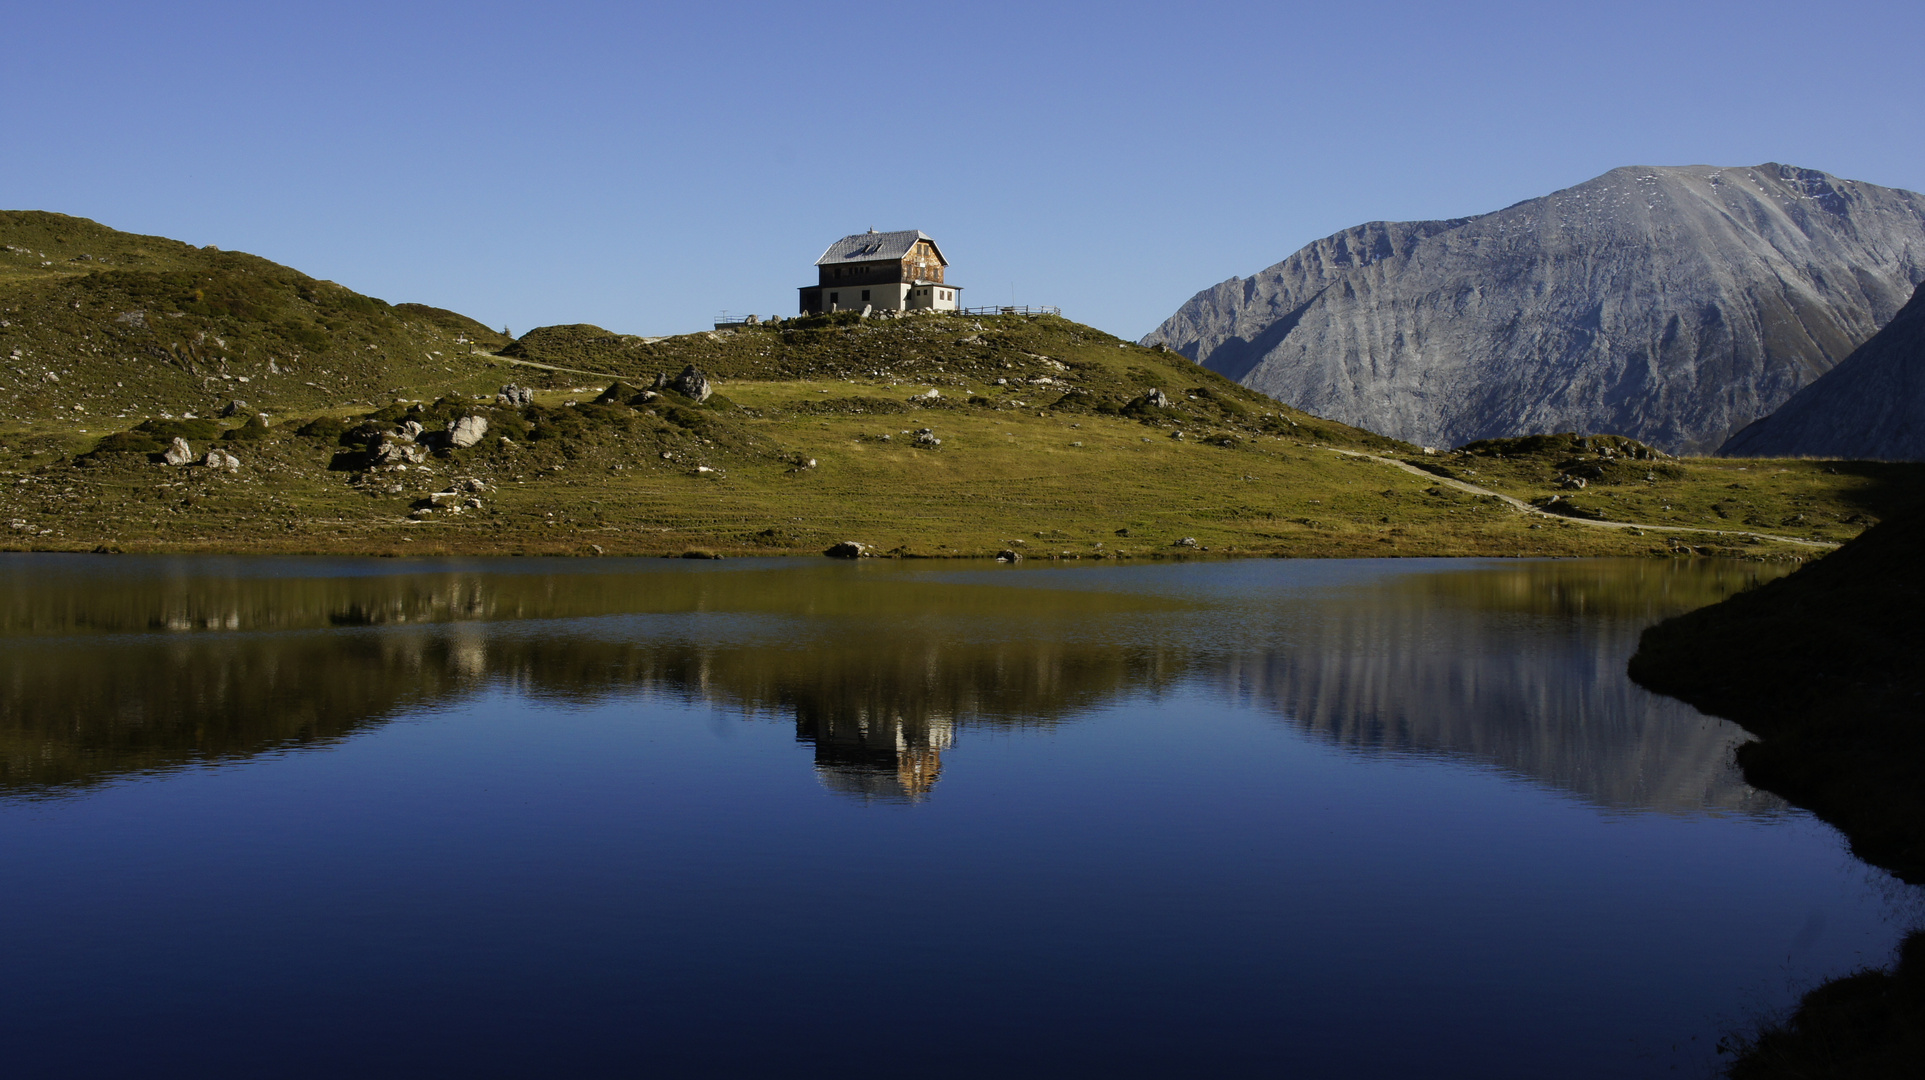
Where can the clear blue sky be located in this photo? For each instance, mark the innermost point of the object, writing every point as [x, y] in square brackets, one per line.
[645, 166]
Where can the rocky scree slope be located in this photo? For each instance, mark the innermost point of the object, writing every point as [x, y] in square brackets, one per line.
[98, 323]
[1674, 305]
[1870, 407]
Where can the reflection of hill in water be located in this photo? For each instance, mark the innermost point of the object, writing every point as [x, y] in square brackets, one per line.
[161, 665]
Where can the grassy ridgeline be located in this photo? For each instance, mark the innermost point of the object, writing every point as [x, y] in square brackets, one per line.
[1043, 437]
[1824, 667]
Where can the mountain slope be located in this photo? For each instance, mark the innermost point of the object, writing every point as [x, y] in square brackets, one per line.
[1870, 407]
[97, 322]
[1673, 305]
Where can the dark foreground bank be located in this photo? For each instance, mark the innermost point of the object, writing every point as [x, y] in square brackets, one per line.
[1823, 667]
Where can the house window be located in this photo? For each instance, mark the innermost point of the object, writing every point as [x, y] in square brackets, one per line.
[833, 297]
[865, 294]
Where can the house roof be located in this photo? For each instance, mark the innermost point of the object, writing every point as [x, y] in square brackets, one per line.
[872, 246]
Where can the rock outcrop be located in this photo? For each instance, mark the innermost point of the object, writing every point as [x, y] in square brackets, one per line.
[1871, 406]
[1675, 305]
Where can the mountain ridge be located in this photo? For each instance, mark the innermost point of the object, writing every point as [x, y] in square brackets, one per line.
[1672, 304]
[1870, 407]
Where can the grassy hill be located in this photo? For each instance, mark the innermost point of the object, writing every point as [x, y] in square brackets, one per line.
[102, 325]
[924, 435]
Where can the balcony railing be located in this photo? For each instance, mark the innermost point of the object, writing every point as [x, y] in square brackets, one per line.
[1013, 309]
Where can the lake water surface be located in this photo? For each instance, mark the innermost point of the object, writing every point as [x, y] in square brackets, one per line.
[756, 818]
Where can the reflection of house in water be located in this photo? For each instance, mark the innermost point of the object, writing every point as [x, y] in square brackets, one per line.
[1520, 668]
[876, 753]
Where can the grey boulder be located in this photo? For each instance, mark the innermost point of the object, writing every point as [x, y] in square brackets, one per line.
[692, 384]
[467, 431]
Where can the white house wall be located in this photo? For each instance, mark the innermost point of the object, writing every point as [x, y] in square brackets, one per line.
[849, 297]
[938, 297]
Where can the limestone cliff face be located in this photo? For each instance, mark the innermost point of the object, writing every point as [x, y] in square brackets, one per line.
[1675, 305]
[1871, 406]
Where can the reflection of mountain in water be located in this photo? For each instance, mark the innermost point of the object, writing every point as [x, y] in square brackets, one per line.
[1489, 665]
[880, 671]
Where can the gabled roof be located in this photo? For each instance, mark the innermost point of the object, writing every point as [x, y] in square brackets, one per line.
[872, 245]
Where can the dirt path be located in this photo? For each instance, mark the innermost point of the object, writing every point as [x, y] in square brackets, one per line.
[551, 367]
[1524, 507]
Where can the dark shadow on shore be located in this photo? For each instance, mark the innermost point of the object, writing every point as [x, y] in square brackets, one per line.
[1827, 668]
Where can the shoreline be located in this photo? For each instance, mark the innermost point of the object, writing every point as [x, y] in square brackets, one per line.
[1822, 668]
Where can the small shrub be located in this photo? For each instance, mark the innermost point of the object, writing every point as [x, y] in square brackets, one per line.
[686, 419]
[192, 430]
[253, 429]
[128, 442]
[324, 427]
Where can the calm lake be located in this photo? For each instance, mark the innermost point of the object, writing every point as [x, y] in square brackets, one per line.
[310, 817]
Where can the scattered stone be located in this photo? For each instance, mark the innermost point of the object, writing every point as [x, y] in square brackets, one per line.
[220, 459]
[1009, 555]
[1188, 541]
[178, 452]
[848, 549]
[926, 438]
[397, 453]
[232, 409]
[1156, 399]
[516, 396]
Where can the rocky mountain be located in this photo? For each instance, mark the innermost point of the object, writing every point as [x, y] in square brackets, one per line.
[1871, 406]
[1674, 305]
